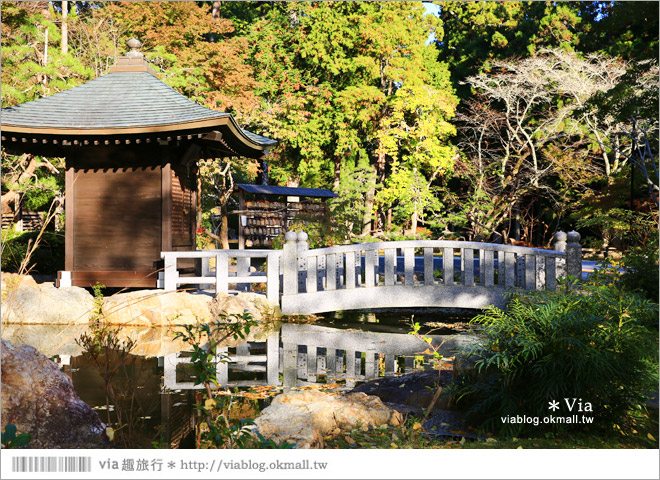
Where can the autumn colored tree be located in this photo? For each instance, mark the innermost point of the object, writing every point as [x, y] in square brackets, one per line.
[175, 42]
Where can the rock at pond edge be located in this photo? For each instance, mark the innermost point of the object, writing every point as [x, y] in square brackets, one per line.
[303, 418]
[40, 399]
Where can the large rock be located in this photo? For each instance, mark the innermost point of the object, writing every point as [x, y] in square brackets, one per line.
[47, 339]
[44, 304]
[11, 281]
[156, 308]
[40, 399]
[253, 303]
[305, 417]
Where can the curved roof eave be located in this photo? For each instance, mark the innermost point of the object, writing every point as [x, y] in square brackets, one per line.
[121, 103]
[249, 138]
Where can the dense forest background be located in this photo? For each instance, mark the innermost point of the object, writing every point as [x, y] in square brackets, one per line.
[487, 121]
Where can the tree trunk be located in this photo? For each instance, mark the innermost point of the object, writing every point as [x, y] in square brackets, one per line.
[413, 222]
[380, 217]
[65, 27]
[46, 48]
[215, 13]
[368, 207]
[224, 227]
[388, 227]
[335, 182]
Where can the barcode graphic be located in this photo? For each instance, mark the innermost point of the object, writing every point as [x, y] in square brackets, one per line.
[51, 464]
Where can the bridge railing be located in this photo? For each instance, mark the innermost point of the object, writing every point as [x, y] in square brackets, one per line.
[221, 275]
[462, 267]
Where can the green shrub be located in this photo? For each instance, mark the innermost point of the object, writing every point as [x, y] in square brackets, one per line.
[47, 259]
[641, 271]
[594, 345]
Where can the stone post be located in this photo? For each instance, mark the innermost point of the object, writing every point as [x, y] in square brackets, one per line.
[302, 246]
[560, 241]
[560, 246]
[574, 255]
[290, 264]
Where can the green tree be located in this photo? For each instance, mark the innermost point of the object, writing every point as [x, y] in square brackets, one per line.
[33, 66]
[627, 30]
[343, 80]
[477, 33]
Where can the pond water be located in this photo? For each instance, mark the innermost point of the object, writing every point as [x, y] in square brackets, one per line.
[151, 389]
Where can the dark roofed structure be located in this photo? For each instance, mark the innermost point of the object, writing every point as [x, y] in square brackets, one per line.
[131, 145]
[291, 191]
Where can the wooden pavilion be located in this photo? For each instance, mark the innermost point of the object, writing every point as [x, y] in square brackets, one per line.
[131, 145]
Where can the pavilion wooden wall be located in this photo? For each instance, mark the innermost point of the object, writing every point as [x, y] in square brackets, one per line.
[123, 207]
[116, 214]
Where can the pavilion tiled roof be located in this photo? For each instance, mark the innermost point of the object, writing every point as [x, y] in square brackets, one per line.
[128, 100]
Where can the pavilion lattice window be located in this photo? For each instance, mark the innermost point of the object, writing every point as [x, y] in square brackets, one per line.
[183, 203]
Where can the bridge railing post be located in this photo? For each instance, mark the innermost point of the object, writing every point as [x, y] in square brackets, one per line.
[560, 246]
[273, 278]
[574, 255]
[221, 272]
[290, 264]
[301, 248]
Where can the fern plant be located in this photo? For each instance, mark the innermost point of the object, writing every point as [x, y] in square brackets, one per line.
[593, 345]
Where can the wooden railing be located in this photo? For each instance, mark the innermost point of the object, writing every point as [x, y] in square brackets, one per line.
[220, 276]
[409, 273]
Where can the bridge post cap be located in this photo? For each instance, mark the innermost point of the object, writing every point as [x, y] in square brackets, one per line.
[573, 237]
[290, 236]
[302, 237]
[560, 236]
[134, 44]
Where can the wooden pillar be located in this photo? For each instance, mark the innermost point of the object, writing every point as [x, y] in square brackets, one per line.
[166, 208]
[241, 209]
[69, 209]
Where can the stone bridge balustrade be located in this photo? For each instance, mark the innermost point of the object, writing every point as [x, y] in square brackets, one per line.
[411, 273]
[418, 273]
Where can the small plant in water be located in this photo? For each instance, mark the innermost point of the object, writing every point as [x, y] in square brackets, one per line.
[216, 431]
[436, 361]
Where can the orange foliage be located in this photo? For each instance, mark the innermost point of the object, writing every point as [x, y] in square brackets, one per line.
[176, 37]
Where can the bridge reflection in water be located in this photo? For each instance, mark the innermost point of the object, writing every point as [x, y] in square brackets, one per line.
[301, 355]
[294, 355]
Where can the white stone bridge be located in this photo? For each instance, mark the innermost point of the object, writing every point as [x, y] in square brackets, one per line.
[413, 273]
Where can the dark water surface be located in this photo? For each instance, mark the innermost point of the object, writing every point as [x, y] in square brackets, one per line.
[155, 389]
